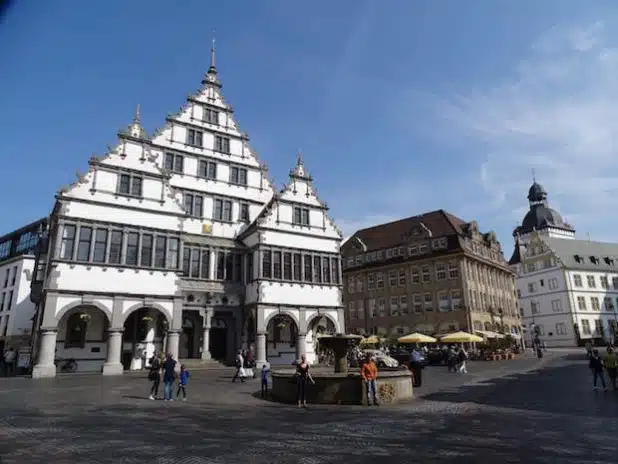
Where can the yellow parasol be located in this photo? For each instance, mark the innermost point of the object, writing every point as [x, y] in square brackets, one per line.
[370, 340]
[416, 338]
[460, 337]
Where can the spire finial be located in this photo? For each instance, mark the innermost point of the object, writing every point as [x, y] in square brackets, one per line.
[299, 158]
[533, 175]
[137, 118]
[212, 52]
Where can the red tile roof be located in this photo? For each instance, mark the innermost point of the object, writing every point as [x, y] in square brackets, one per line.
[440, 223]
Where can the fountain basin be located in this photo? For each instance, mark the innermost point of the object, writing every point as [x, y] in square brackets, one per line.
[341, 388]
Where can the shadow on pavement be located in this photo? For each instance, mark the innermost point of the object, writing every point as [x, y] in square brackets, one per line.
[572, 393]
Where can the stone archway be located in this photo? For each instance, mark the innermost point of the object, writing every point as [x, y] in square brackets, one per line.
[281, 339]
[82, 337]
[144, 335]
[317, 325]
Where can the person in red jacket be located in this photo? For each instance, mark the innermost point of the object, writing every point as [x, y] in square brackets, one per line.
[369, 373]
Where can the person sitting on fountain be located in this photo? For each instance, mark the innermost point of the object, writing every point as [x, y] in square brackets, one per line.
[369, 373]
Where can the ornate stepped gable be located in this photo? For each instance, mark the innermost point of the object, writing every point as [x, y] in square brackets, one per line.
[298, 191]
[132, 152]
[135, 150]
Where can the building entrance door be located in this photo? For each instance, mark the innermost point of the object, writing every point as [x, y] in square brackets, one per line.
[218, 339]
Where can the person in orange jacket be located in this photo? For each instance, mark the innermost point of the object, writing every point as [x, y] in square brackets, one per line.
[369, 373]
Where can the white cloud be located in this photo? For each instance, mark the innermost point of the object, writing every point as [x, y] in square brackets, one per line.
[558, 114]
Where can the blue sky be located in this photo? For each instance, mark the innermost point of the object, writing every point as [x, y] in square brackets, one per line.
[399, 107]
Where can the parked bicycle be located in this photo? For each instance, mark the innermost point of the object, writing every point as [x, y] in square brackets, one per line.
[66, 365]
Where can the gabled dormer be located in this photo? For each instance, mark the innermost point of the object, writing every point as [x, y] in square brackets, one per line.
[297, 209]
[127, 175]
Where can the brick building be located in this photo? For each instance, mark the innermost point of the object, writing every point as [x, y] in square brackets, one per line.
[432, 273]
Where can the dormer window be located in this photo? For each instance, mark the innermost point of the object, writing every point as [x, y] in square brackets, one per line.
[578, 259]
[301, 216]
[195, 138]
[594, 260]
[130, 185]
[211, 116]
[222, 144]
[174, 162]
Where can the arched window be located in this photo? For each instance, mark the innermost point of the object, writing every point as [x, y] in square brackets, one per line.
[76, 331]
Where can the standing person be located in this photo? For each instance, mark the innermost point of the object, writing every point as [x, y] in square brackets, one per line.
[240, 370]
[611, 365]
[251, 361]
[302, 376]
[596, 366]
[169, 374]
[154, 375]
[462, 358]
[265, 372]
[589, 350]
[183, 380]
[416, 367]
[369, 373]
[9, 362]
[451, 360]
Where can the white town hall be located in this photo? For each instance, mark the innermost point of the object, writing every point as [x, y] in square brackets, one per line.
[180, 242]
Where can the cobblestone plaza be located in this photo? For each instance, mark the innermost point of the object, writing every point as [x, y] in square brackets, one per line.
[549, 415]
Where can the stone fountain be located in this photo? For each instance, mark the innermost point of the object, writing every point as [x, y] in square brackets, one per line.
[340, 344]
[338, 385]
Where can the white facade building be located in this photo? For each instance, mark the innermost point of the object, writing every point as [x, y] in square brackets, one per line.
[567, 288]
[179, 242]
[16, 271]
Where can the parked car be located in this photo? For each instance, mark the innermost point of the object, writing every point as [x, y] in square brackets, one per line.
[436, 357]
[382, 359]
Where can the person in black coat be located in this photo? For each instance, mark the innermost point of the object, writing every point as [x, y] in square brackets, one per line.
[596, 366]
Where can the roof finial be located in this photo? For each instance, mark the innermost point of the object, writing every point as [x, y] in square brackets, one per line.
[137, 118]
[212, 53]
[533, 175]
[299, 158]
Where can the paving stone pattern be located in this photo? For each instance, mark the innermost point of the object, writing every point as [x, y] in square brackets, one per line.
[545, 416]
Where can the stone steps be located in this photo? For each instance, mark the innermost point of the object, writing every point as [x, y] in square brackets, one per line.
[206, 365]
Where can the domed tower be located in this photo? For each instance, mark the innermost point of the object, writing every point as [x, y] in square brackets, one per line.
[540, 218]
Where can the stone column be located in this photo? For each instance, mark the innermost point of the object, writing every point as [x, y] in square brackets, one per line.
[206, 335]
[260, 349]
[301, 344]
[173, 339]
[113, 365]
[45, 366]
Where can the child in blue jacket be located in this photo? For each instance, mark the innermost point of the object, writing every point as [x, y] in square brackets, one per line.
[183, 380]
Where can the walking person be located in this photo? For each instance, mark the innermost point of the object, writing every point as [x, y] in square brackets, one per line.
[169, 374]
[265, 373]
[596, 366]
[462, 358]
[611, 365]
[302, 377]
[154, 375]
[369, 374]
[183, 380]
[240, 370]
